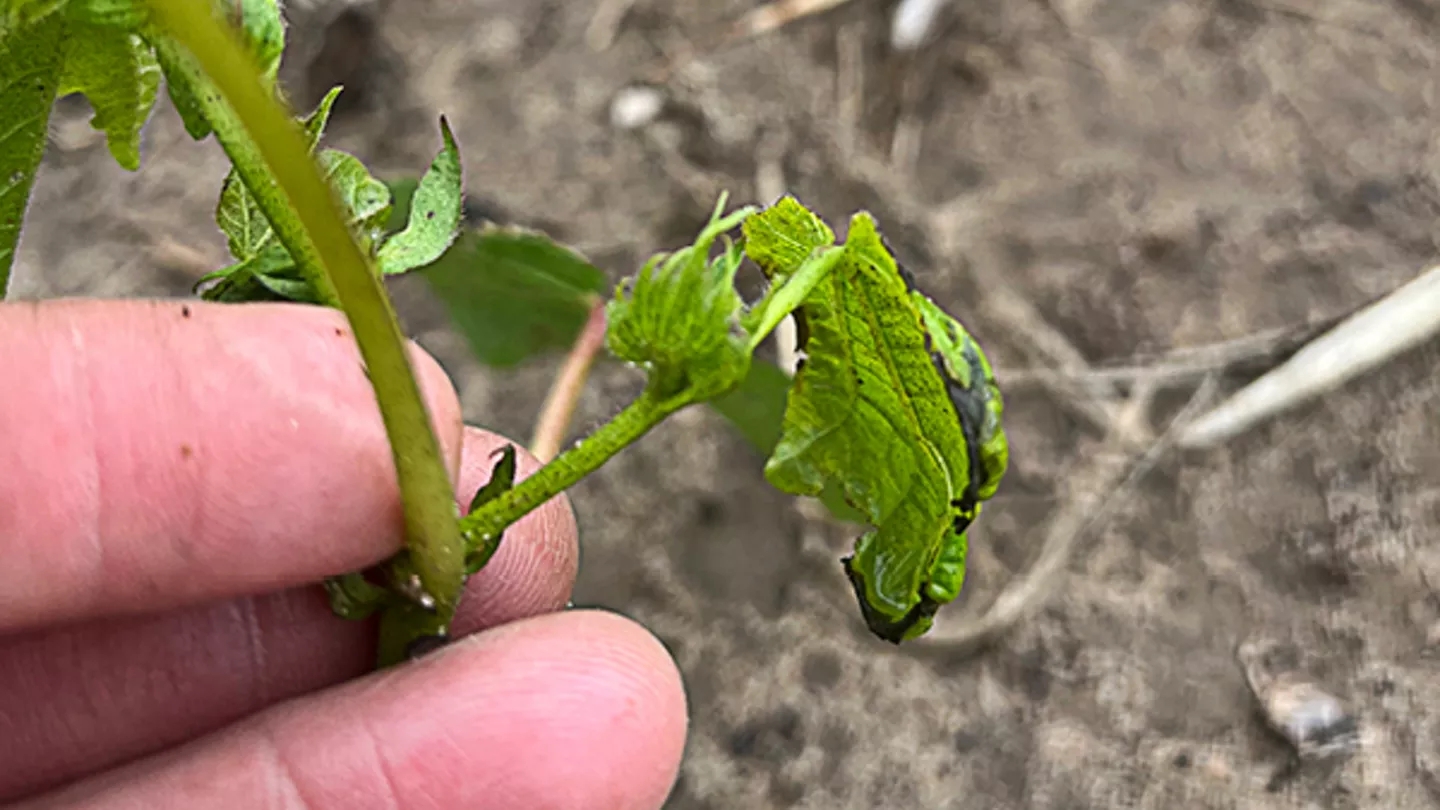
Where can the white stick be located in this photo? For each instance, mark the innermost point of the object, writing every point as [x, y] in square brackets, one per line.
[912, 22]
[1400, 321]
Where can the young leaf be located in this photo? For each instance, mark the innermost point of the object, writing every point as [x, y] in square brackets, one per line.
[246, 229]
[266, 271]
[130, 16]
[262, 29]
[355, 598]
[365, 199]
[25, 13]
[513, 293]
[502, 480]
[238, 213]
[315, 122]
[247, 279]
[434, 214]
[30, 66]
[678, 318]
[870, 410]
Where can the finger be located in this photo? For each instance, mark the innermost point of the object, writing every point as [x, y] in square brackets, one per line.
[531, 573]
[575, 710]
[77, 700]
[173, 453]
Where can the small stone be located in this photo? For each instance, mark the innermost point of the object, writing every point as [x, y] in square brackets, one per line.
[635, 106]
[1432, 637]
[1311, 719]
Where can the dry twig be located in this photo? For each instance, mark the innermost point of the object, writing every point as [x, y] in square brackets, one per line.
[1254, 353]
[605, 23]
[780, 13]
[1396, 323]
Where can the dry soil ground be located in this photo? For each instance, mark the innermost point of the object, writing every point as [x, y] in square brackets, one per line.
[1146, 174]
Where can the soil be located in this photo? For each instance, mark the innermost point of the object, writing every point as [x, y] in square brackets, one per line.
[1145, 174]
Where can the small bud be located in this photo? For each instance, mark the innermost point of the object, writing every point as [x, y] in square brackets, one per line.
[678, 318]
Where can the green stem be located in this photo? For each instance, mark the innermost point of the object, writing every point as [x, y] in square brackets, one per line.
[276, 160]
[482, 528]
[249, 164]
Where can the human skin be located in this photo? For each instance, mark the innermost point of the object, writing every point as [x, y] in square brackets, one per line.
[175, 478]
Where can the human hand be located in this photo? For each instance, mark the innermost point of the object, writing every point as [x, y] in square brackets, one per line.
[174, 480]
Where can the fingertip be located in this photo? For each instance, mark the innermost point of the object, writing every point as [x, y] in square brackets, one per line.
[581, 709]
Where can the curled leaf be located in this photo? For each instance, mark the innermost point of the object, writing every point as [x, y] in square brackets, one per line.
[478, 551]
[435, 212]
[871, 412]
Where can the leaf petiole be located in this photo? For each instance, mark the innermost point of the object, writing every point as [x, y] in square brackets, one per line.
[785, 298]
[482, 528]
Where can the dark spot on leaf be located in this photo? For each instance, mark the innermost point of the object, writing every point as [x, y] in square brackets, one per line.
[185, 311]
[186, 451]
[429, 214]
[821, 670]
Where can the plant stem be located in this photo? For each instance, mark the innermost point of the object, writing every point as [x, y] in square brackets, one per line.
[250, 165]
[483, 526]
[559, 405]
[277, 161]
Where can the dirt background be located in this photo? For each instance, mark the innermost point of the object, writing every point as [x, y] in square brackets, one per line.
[1143, 174]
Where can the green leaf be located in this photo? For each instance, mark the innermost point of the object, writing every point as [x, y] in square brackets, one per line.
[25, 13]
[402, 191]
[354, 597]
[679, 317]
[238, 213]
[870, 411]
[757, 409]
[118, 73]
[247, 280]
[315, 122]
[502, 480]
[262, 29]
[127, 15]
[435, 212]
[514, 293]
[30, 67]
[757, 406]
[365, 199]
[246, 229]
